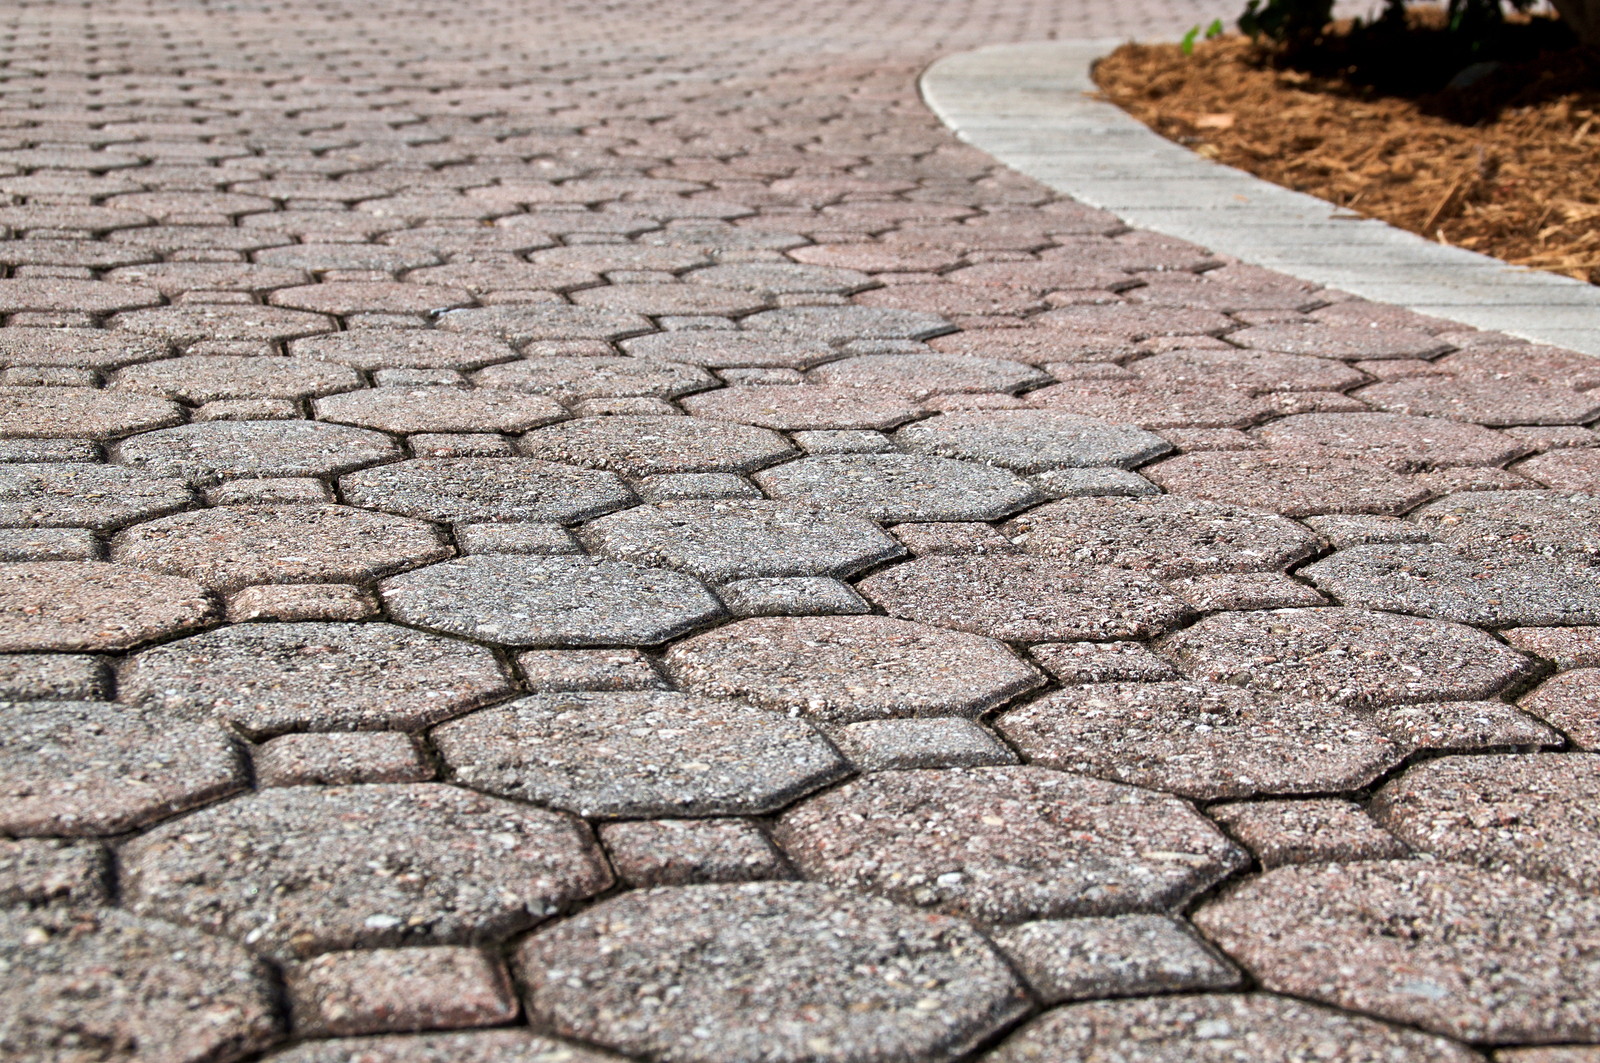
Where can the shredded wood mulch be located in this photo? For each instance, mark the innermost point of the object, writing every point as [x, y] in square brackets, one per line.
[1523, 185]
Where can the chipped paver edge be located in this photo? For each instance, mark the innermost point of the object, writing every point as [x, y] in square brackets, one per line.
[1028, 105]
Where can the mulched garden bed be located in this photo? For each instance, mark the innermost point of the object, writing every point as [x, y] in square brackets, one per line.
[1509, 166]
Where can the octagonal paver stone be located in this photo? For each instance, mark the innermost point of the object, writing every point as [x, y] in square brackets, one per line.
[1201, 740]
[1029, 441]
[781, 278]
[1570, 701]
[371, 349]
[195, 322]
[670, 298]
[1347, 342]
[235, 546]
[104, 985]
[550, 601]
[546, 321]
[272, 678]
[1406, 444]
[805, 407]
[638, 754]
[482, 1046]
[86, 605]
[378, 297]
[211, 378]
[1481, 956]
[300, 870]
[80, 413]
[80, 348]
[650, 446]
[1216, 1028]
[896, 487]
[1166, 536]
[840, 324]
[1354, 657]
[1249, 371]
[921, 375]
[1009, 844]
[730, 539]
[726, 349]
[213, 451]
[1487, 401]
[1015, 597]
[1154, 403]
[1555, 524]
[79, 495]
[1431, 579]
[72, 768]
[464, 490]
[842, 669]
[1294, 483]
[1538, 814]
[440, 409]
[570, 379]
[787, 972]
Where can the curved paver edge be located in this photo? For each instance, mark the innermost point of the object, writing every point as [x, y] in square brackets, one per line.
[1028, 106]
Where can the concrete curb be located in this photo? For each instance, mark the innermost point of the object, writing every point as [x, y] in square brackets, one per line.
[1025, 104]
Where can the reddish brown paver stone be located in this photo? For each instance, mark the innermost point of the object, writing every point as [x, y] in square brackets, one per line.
[842, 669]
[1567, 469]
[1167, 536]
[805, 408]
[1329, 934]
[82, 348]
[1319, 831]
[443, 987]
[546, 321]
[371, 349]
[1218, 1029]
[193, 324]
[48, 294]
[489, 1046]
[572, 378]
[683, 852]
[638, 754]
[211, 378]
[206, 454]
[1029, 441]
[923, 375]
[1126, 955]
[1464, 725]
[1294, 483]
[1490, 402]
[790, 971]
[415, 864]
[1007, 845]
[657, 300]
[82, 413]
[1026, 599]
[1347, 342]
[1130, 321]
[1553, 524]
[1351, 656]
[647, 446]
[271, 678]
[464, 490]
[724, 348]
[340, 760]
[302, 601]
[35, 872]
[50, 606]
[1535, 813]
[1252, 371]
[1570, 701]
[102, 984]
[1201, 740]
[1154, 403]
[735, 539]
[370, 297]
[1407, 444]
[233, 546]
[74, 494]
[439, 409]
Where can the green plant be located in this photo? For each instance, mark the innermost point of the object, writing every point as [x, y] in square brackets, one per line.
[1213, 31]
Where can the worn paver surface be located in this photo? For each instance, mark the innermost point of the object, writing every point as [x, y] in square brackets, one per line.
[538, 532]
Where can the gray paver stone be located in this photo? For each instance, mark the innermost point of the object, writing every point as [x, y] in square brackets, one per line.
[53, 677]
[899, 487]
[648, 446]
[1125, 955]
[84, 413]
[52, 871]
[462, 490]
[214, 451]
[682, 852]
[1319, 831]
[488, 1046]
[72, 494]
[1029, 441]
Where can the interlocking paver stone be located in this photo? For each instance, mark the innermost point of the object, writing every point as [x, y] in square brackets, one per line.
[550, 601]
[75, 494]
[1491, 402]
[942, 742]
[488, 1046]
[546, 321]
[440, 409]
[1553, 524]
[843, 323]
[649, 446]
[1533, 813]
[1463, 725]
[788, 972]
[922, 375]
[83, 348]
[209, 453]
[1355, 657]
[1294, 483]
[1007, 845]
[734, 539]
[83, 413]
[718, 349]
[193, 324]
[48, 606]
[1217, 1029]
[49, 871]
[1169, 537]
[682, 852]
[897, 487]
[443, 987]
[234, 546]
[805, 408]
[461, 490]
[1407, 444]
[1570, 701]
[1028, 599]
[209, 378]
[1201, 740]
[638, 754]
[1333, 934]
[110, 986]
[375, 866]
[372, 349]
[1154, 403]
[1430, 579]
[1029, 441]
[1340, 341]
[53, 677]
[271, 678]
[1253, 371]
[1125, 955]
[89, 767]
[1320, 831]
[843, 669]
[570, 379]
[340, 759]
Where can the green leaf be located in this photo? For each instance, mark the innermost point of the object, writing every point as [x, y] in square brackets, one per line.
[1188, 40]
[1214, 30]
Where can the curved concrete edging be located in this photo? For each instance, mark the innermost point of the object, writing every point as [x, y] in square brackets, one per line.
[1027, 105]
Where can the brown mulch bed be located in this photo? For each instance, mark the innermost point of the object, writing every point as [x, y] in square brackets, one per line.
[1522, 183]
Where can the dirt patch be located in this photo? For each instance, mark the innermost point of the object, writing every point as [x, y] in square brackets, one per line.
[1522, 183]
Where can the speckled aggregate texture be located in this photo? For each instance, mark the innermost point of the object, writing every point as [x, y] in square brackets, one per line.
[623, 489]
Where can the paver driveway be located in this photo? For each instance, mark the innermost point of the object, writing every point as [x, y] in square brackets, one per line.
[605, 521]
